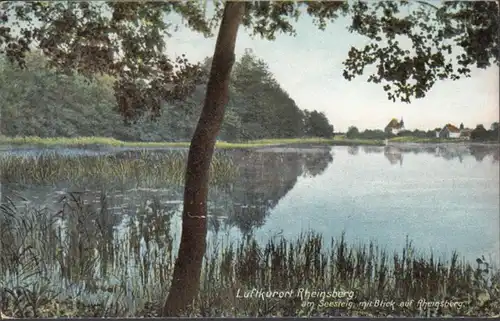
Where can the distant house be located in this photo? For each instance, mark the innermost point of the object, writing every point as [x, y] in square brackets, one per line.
[394, 127]
[449, 131]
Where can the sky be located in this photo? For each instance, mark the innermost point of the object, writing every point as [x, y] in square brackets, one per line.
[309, 68]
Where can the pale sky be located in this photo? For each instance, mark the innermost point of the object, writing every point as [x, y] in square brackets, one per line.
[309, 67]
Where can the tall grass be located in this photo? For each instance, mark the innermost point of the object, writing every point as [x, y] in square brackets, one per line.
[74, 263]
[145, 168]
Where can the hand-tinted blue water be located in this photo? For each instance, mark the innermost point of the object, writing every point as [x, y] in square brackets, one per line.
[440, 204]
[443, 199]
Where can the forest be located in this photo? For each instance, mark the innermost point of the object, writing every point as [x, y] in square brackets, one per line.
[38, 101]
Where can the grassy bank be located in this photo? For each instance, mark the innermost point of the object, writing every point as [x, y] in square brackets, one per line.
[409, 139]
[97, 142]
[83, 268]
[91, 142]
[434, 140]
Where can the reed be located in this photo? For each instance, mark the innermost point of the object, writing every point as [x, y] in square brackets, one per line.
[73, 262]
[145, 168]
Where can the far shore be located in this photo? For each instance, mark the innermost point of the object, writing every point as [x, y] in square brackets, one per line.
[99, 143]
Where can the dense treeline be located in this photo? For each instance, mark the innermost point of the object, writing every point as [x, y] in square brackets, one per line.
[353, 132]
[482, 134]
[479, 133]
[40, 102]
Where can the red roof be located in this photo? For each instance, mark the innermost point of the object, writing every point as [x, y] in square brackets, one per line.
[451, 128]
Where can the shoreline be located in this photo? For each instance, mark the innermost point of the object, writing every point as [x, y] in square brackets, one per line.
[110, 144]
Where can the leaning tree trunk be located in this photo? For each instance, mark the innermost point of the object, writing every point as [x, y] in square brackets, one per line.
[187, 270]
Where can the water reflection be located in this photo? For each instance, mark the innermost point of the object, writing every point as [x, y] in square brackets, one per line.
[87, 234]
[372, 149]
[353, 150]
[395, 153]
[94, 229]
[263, 179]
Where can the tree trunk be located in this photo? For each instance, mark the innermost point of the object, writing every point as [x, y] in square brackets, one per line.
[187, 270]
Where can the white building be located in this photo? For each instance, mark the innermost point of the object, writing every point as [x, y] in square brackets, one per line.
[449, 131]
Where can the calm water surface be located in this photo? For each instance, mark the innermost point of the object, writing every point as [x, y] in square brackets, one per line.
[443, 199]
[439, 201]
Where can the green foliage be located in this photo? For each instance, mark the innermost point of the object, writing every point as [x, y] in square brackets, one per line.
[481, 134]
[434, 32]
[264, 108]
[122, 39]
[410, 43]
[352, 132]
[422, 133]
[372, 134]
[38, 101]
[494, 132]
[317, 125]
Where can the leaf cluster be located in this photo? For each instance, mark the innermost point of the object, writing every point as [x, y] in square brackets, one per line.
[125, 40]
[411, 44]
[419, 45]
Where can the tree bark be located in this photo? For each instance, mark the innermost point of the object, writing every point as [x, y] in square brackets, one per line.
[187, 271]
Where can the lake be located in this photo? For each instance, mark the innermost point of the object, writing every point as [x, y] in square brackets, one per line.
[442, 201]
[441, 198]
